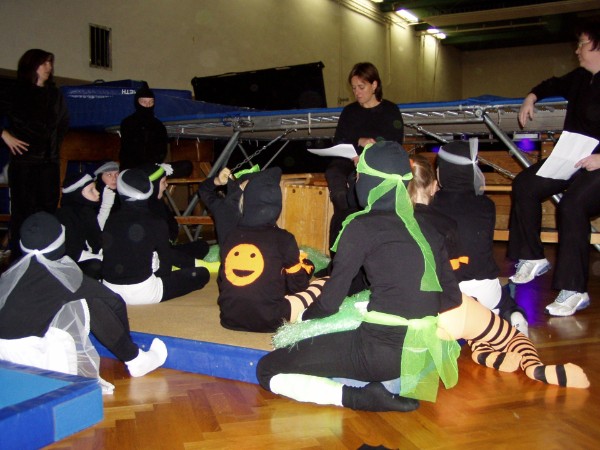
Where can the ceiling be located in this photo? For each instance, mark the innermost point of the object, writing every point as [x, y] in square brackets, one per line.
[487, 24]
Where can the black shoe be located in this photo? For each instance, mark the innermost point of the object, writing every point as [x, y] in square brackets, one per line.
[375, 397]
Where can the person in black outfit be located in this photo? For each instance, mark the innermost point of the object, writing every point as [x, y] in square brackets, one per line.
[580, 200]
[462, 198]
[411, 279]
[264, 278]
[106, 185]
[143, 136]
[369, 119]
[36, 287]
[138, 258]
[191, 252]
[37, 121]
[78, 213]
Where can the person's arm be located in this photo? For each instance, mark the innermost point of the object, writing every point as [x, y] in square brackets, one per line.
[526, 112]
[298, 269]
[16, 146]
[107, 202]
[346, 264]
[551, 87]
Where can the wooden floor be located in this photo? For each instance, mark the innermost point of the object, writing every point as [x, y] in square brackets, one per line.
[176, 410]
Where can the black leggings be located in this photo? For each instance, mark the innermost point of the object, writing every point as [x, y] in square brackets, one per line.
[355, 354]
[184, 281]
[109, 321]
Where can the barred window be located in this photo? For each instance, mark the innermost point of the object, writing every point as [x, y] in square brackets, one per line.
[100, 47]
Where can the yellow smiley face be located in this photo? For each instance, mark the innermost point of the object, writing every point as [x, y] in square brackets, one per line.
[244, 264]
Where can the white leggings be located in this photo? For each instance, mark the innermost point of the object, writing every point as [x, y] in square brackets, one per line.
[144, 293]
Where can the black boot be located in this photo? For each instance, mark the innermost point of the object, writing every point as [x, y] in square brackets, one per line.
[375, 397]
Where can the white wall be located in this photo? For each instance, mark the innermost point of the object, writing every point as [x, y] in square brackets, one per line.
[513, 72]
[167, 43]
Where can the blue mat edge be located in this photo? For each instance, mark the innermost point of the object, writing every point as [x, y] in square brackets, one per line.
[52, 416]
[206, 358]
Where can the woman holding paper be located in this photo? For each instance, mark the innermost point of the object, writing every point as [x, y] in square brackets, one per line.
[580, 200]
[367, 120]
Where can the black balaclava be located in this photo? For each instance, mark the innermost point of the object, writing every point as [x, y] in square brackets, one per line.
[262, 198]
[458, 170]
[144, 92]
[134, 187]
[383, 173]
[391, 158]
[155, 173]
[72, 190]
[39, 231]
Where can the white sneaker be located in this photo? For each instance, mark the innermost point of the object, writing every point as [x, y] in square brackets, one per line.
[528, 269]
[517, 320]
[567, 303]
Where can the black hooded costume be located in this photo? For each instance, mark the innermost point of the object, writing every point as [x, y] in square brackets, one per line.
[79, 216]
[39, 294]
[410, 276]
[143, 136]
[461, 197]
[474, 213]
[260, 262]
[132, 237]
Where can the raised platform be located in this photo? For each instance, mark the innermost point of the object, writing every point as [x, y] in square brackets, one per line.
[196, 341]
[39, 407]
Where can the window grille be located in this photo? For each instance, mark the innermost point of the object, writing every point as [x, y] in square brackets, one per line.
[100, 47]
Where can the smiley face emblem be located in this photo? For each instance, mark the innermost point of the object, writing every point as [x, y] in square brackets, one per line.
[244, 264]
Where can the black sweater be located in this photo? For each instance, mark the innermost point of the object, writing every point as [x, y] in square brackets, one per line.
[582, 90]
[38, 116]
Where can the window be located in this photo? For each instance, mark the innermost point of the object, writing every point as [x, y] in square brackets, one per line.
[100, 54]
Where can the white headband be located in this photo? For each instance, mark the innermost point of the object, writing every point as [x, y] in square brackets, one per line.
[129, 191]
[478, 177]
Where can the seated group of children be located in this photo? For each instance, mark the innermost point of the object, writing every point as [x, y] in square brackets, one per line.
[423, 269]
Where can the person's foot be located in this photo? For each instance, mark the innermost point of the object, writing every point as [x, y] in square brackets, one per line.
[149, 360]
[517, 320]
[528, 269]
[567, 303]
[375, 397]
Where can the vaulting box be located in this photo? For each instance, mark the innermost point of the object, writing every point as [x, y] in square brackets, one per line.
[307, 210]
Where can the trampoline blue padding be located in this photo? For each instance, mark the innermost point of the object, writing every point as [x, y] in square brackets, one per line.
[206, 358]
[101, 105]
[39, 407]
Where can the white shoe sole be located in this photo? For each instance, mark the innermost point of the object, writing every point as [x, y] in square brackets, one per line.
[560, 310]
[540, 271]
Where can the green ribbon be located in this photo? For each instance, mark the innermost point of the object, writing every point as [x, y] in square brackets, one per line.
[404, 210]
[425, 357]
[254, 169]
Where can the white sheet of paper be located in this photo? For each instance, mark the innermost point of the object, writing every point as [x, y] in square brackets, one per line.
[341, 150]
[570, 148]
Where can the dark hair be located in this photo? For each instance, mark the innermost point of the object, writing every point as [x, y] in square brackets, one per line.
[368, 72]
[29, 63]
[592, 29]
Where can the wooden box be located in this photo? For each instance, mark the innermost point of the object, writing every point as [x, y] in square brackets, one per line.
[306, 211]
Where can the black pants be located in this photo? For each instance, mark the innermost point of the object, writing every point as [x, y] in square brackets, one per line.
[184, 281]
[352, 354]
[579, 204]
[33, 187]
[108, 319]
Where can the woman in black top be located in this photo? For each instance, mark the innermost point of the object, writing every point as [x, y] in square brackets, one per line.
[37, 121]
